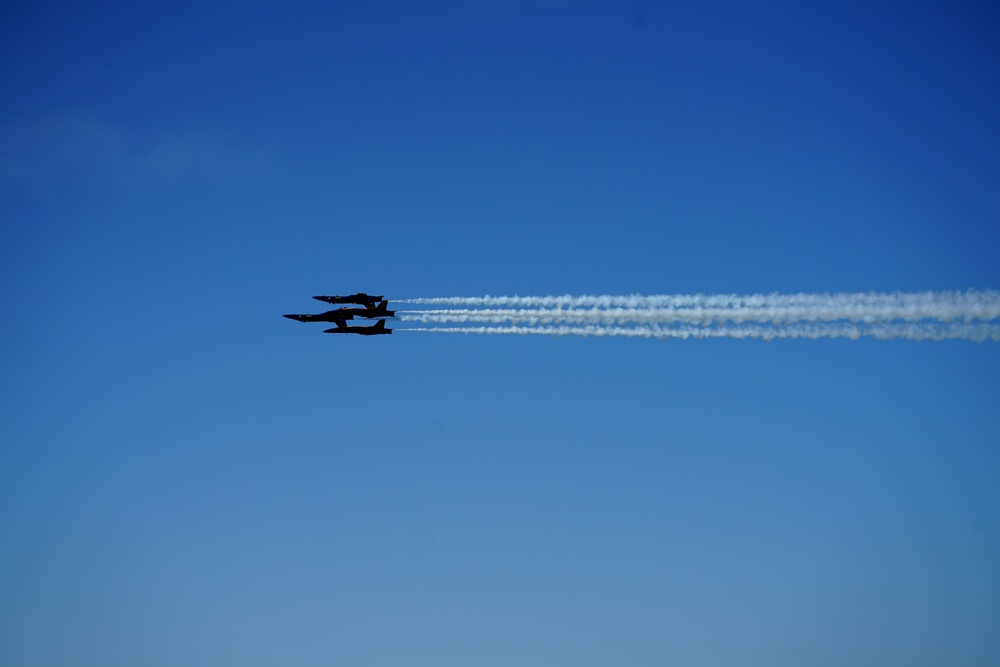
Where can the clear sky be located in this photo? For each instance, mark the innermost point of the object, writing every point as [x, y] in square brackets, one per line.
[188, 478]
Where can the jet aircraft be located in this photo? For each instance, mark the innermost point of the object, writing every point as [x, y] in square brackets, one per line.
[373, 330]
[360, 298]
[341, 315]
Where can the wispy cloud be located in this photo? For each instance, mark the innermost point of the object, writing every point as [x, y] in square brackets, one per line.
[57, 148]
[39, 150]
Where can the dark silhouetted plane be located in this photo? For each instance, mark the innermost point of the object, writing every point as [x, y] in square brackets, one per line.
[330, 316]
[360, 298]
[341, 315]
[373, 330]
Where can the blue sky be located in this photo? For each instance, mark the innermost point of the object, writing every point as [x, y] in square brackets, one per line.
[187, 477]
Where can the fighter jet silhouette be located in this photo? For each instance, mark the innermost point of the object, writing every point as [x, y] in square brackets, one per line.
[373, 330]
[341, 315]
[360, 298]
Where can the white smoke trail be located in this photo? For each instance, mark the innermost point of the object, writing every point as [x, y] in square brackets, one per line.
[969, 315]
[916, 332]
[787, 314]
[967, 301]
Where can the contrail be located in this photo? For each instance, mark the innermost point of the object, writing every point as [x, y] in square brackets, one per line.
[987, 301]
[970, 315]
[973, 332]
[696, 315]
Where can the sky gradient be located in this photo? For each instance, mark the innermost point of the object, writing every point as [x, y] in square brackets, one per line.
[186, 477]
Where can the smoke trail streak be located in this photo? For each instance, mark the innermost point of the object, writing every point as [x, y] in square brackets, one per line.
[699, 315]
[969, 299]
[970, 315]
[916, 332]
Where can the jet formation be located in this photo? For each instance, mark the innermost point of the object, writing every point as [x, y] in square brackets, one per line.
[372, 307]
